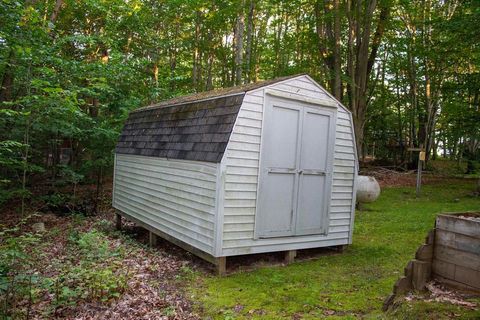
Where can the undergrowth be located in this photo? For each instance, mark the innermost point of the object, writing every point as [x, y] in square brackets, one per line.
[90, 269]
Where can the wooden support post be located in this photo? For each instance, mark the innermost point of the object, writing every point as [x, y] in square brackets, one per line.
[221, 264]
[152, 239]
[421, 274]
[421, 159]
[290, 256]
[425, 253]
[118, 221]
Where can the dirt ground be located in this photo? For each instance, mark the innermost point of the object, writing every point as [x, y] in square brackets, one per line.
[391, 178]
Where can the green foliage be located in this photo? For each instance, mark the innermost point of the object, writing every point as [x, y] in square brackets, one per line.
[16, 263]
[69, 78]
[169, 311]
[91, 272]
[96, 275]
[93, 245]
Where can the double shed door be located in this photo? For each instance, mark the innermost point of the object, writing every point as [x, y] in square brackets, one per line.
[296, 169]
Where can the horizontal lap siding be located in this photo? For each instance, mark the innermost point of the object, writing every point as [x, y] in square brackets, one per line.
[242, 160]
[176, 197]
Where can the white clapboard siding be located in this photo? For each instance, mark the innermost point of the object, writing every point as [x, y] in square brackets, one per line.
[177, 197]
[241, 161]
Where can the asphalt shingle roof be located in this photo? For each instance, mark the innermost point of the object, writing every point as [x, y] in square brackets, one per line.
[193, 127]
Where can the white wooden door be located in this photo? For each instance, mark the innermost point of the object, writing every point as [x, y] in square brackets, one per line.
[295, 169]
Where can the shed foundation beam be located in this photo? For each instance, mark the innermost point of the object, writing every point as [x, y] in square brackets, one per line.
[290, 256]
[221, 264]
[340, 248]
[118, 221]
[152, 239]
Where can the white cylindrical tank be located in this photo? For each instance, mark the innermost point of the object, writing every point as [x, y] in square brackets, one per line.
[368, 189]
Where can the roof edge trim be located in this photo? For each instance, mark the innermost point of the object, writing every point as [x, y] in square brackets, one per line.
[187, 102]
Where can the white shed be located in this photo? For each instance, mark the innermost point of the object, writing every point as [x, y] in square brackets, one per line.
[258, 168]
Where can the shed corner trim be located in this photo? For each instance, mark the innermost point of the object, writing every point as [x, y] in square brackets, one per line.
[219, 210]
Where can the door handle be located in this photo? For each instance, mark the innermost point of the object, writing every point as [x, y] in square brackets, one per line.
[312, 172]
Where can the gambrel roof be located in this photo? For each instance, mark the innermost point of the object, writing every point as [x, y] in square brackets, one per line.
[193, 127]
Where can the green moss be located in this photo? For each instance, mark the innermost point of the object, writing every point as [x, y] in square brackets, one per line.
[352, 284]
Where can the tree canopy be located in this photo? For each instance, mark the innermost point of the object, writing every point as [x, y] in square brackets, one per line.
[70, 71]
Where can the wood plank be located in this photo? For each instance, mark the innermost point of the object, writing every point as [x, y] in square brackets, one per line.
[290, 256]
[456, 284]
[425, 252]
[460, 258]
[457, 241]
[421, 274]
[402, 285]
[444, 269]
[152, 239]
[467, 276]
[455, 224]
[430, 237]
[118, 221]
[221, 263]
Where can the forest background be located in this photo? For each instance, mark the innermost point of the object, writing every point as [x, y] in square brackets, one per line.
[70, 71]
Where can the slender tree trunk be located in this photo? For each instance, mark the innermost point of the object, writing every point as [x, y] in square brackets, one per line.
[155, 73]
[239, 43]
[7, 79]
[56, 11]
[173, 58]
[196, 71]
[248, 51]
[337, 55]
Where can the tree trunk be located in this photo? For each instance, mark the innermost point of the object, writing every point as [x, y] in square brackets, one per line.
[239, 44]
[337, 55]
[56, 11]
[196, 71]
[7, 79]
[248, 51]
[360, 60]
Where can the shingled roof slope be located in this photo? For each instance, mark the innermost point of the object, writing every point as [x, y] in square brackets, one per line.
[195, 127]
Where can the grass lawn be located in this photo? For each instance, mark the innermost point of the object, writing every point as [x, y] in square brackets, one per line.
[352, 284]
